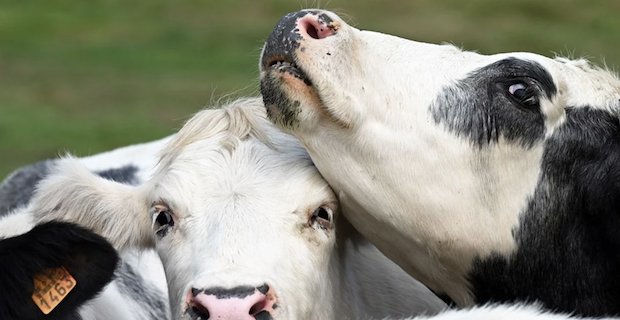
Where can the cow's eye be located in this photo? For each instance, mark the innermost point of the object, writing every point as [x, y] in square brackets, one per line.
[163, 220]
[524, 95]
[322, 218]
[518, 90]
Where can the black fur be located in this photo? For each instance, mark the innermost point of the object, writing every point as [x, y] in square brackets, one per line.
[125, 174]
[223, 293]
[568, 254]
[89, 258]
[480, 108]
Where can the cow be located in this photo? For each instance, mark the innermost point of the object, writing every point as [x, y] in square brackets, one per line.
[88, 258]
[489, 178]
[138, 289]
[245, 226]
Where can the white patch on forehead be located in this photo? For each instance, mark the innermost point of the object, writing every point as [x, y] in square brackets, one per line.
[554, 111]
[583, 84]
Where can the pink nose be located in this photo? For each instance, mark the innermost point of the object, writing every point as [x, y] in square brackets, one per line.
[317, 26]
[238, 303]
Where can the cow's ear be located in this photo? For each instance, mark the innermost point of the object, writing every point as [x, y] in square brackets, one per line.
[118, 212]
[59, 264]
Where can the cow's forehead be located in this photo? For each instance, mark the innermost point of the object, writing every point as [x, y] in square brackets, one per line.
[251, 178]
[578, 81]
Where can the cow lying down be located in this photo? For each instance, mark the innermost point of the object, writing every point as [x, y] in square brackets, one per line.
[489, 178]
[244, 225]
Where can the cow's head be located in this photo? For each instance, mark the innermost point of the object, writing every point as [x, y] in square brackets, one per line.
[243, 222]
[447, 159]
[246, 204]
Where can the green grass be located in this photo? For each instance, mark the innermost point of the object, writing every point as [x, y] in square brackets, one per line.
[89, 76]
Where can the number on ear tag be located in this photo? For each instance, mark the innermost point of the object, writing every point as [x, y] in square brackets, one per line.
[51, 287]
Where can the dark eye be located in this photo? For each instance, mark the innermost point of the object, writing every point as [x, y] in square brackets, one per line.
[321, 217]
[518, 90]
[163, 220]
[524, 95]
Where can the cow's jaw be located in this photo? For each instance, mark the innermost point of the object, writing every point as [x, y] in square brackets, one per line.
[353, 129]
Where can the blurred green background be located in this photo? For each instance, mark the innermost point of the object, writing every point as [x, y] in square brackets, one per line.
[87, 76]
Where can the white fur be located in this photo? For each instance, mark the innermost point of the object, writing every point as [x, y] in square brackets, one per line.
[242, 194]
[426, 198]
[502, 312]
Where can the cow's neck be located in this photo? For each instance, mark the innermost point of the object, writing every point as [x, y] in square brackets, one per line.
[568, 240]
[432, 215]
[373, 287]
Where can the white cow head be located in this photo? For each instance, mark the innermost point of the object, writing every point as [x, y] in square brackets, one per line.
[252, 212]
[244, 224]
[454, 163]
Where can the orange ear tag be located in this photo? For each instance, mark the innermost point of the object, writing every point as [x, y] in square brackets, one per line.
[51, 287]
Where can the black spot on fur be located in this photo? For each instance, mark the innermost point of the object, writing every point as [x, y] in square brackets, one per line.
[568, 253]
[236, 292]
[89, 258]
[324, 19]
[285, 38]
[125, 174]
[480, 109]
[17, 189]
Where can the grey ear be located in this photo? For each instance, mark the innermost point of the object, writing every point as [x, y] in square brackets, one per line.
[88, 258]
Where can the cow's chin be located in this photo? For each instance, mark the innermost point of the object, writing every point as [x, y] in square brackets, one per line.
[291, 101]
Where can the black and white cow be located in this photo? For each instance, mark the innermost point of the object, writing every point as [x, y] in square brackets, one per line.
[138, 290]
[88, 258]
[488, 178]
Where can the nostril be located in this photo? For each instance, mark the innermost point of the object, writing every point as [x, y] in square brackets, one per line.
[259, 306]
[311, 30]
[201, 311]
[315, 28]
